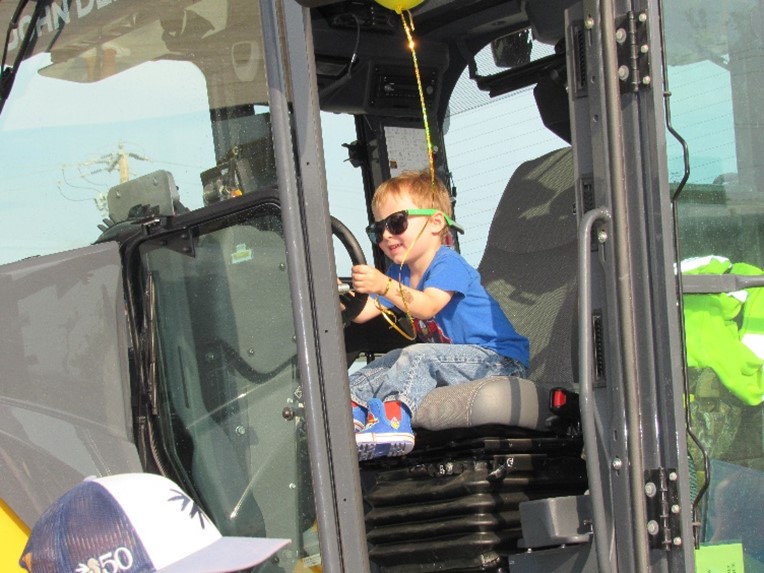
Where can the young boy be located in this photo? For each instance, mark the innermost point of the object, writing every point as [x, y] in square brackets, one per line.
[464, 333]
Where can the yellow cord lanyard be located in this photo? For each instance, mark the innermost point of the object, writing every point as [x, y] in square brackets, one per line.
[390, 316]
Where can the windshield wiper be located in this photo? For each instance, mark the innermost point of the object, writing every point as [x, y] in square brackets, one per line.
[8, 74]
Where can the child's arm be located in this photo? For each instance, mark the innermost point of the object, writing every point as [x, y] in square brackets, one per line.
[369, 311]
[420, 304]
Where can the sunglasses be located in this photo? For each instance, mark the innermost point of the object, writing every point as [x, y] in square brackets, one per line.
[398, 222]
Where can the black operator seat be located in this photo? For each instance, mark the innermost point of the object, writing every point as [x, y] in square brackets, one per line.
[530, 267]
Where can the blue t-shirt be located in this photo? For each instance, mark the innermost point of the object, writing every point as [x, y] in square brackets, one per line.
[472, 316]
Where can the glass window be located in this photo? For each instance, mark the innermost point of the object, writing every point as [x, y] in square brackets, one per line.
[715, 56]
[130, 109]
[347, 201]
[714, 75]
[229, 397]
[126, 108]
[486, 140]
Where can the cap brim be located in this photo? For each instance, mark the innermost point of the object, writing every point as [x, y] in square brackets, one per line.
[227, 554]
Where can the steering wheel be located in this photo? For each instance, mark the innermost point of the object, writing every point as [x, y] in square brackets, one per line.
[353, 303]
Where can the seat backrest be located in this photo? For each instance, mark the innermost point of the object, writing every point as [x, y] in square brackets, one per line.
[529, 264]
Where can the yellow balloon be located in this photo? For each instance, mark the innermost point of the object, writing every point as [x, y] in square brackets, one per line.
[399, 5]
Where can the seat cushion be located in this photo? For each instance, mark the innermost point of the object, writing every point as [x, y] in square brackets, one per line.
[505, 400]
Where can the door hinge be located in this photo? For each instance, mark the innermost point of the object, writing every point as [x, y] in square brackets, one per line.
[633, 51]
[663, 508]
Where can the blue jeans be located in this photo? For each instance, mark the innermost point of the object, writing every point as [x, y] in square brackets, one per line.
[408, 374]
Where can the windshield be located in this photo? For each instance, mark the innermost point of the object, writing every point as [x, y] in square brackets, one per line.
[715, 56]
[125, 111]
[171, 92]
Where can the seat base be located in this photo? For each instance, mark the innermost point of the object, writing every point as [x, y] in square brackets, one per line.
[453, 503]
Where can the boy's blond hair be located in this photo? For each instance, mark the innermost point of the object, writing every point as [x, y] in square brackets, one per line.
[419, 186]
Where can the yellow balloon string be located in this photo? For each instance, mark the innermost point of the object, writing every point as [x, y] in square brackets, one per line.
[408, 27]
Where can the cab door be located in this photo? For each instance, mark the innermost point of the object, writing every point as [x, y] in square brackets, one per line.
[630, 352]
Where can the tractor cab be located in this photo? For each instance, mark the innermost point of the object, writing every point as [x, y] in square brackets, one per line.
[185, 183]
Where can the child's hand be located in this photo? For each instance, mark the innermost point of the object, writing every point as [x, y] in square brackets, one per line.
[368, 280]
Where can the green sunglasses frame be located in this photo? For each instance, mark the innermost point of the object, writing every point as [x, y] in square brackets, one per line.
[372, 232]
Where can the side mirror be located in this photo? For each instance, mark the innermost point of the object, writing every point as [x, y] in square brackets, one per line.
[512, 51]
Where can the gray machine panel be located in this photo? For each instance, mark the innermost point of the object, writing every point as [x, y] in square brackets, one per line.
[64, 380]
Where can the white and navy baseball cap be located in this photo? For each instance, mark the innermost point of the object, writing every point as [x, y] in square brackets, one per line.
[135, 523]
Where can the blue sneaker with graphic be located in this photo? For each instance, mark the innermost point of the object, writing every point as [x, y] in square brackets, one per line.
[359, 418]
[382, 437]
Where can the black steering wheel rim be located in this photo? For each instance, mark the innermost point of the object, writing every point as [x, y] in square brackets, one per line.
[353, 303]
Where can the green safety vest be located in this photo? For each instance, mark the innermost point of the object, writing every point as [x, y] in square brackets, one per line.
[716, 337]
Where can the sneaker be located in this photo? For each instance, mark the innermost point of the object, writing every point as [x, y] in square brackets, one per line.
[383, 438]
[359, 418]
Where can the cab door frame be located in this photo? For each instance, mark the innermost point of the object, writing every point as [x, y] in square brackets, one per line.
[631, 350]
[312, 276]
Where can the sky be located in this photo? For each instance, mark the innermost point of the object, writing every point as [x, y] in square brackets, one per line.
[56, 150]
